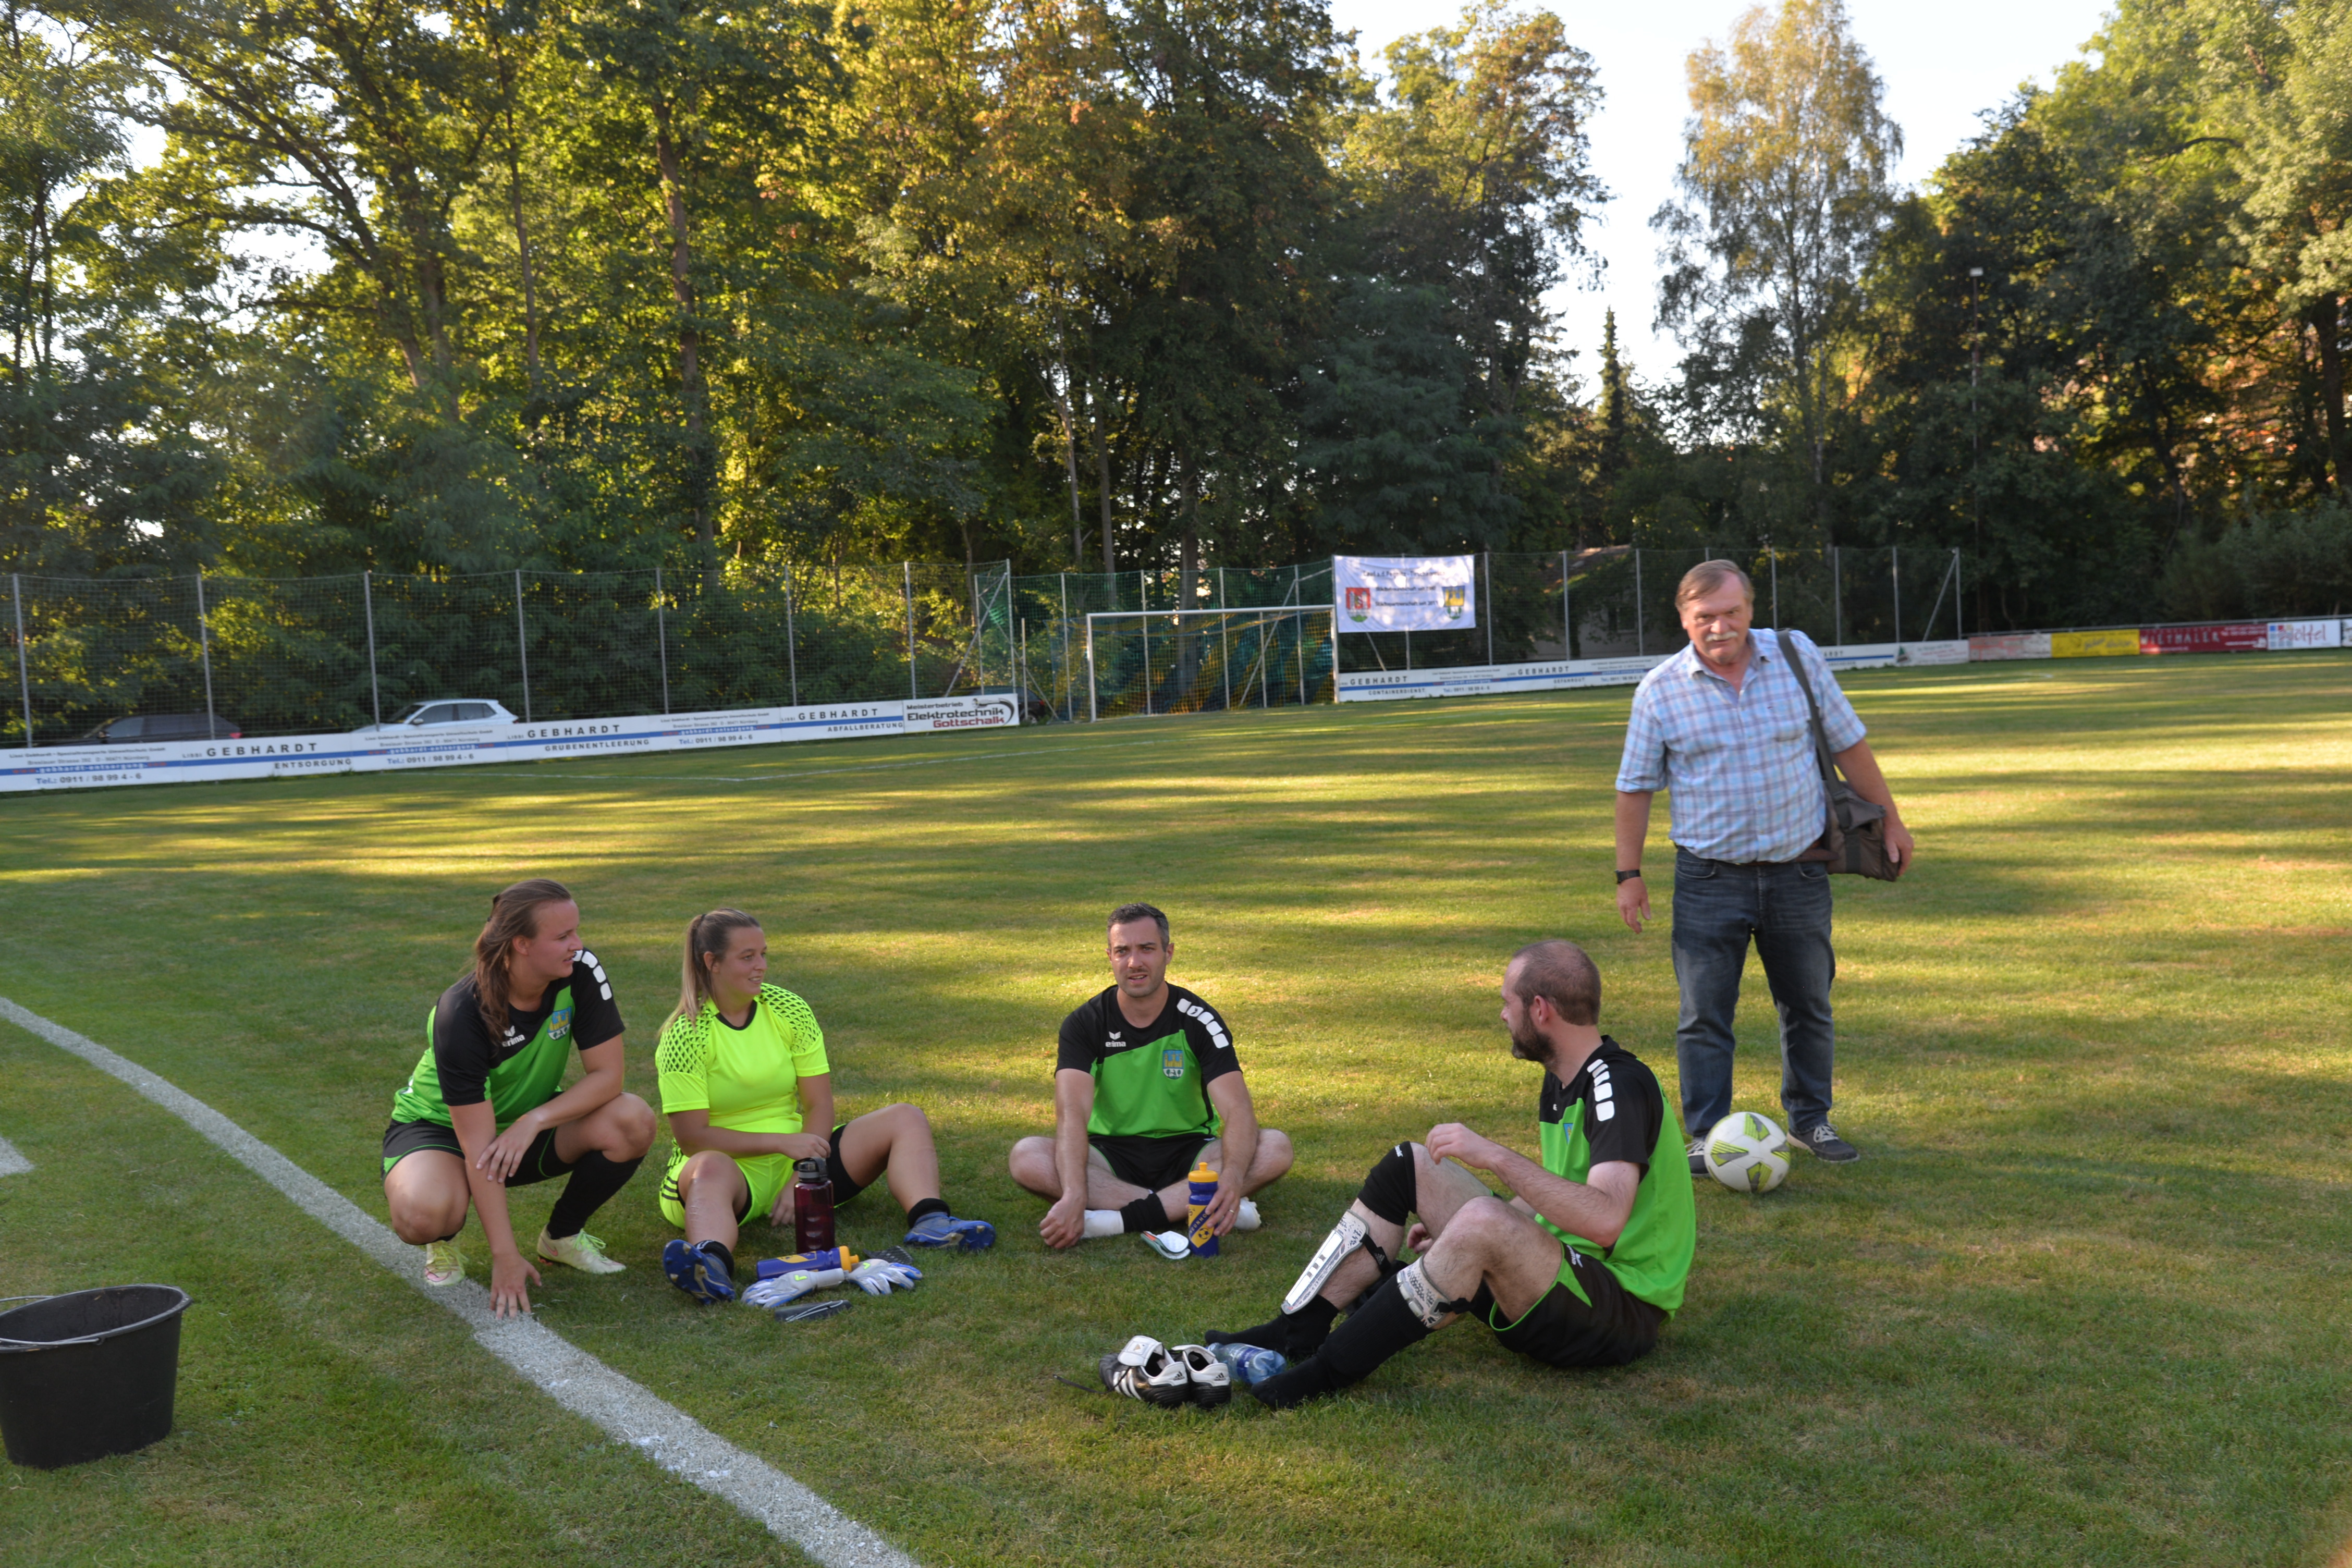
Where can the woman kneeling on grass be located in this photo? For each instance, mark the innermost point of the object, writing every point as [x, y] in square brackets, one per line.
[743, 1071]
[481, 1113]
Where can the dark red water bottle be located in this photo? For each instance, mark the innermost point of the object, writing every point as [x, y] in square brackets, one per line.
[811, 1206]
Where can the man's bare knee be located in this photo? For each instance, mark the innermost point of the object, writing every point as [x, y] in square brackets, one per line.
[1031, 1163]
[1274, 1156]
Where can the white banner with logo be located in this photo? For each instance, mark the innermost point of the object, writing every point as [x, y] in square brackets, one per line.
[458, 746]
[2286, 635]
[1404, 592]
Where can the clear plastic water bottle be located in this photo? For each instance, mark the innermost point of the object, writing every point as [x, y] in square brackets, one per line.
[1251, 1365]
[1203, 1185]
[811, 1206]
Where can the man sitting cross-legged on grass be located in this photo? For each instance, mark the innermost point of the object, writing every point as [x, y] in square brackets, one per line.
[481, 1112]
[1146, 1083]
[1581, 1268]
[743, 1072]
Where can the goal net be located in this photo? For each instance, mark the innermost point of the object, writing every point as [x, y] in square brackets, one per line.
[1204, 661]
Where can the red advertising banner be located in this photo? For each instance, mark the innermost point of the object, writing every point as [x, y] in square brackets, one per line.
[2245, 637]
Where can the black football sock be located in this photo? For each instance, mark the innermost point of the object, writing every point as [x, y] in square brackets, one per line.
[1145, 1213]
[1374, 1332]
[594, 1182]
[722, 1251]
[1295, 1335]
[926, 1206]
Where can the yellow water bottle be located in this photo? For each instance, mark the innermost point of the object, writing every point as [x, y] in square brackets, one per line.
[1203, 1184]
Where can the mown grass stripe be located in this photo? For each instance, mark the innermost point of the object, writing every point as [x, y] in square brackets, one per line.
[572, 1377]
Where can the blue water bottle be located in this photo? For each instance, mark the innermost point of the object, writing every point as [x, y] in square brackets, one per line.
[1203, 1184]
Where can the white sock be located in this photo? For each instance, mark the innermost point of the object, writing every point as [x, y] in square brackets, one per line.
[1101, 1222]
[1247, 1218]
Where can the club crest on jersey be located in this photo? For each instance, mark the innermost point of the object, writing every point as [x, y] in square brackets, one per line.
[1171, 1061]
[559, 1023]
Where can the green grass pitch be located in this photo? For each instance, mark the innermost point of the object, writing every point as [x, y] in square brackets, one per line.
[2082, 1302]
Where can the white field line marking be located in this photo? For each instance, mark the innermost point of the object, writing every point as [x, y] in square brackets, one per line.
[12, 1163]
[570, 1376]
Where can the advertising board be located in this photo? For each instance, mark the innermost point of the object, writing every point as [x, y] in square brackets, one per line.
[2095, 645]
[2238, 636]
[458, 746]
[1404, 592]
[2008, 645]
[2287, 635]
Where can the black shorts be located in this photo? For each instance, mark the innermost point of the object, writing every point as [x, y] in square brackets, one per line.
[1612, 1328]
[403, 1139]
[1150, 1162]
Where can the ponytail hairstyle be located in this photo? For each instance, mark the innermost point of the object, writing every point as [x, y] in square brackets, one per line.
[707, 939]
[513, 913]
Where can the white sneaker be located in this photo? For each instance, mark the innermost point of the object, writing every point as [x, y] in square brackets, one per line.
[1247, 1218]
[583, 1252]
[443, 1264]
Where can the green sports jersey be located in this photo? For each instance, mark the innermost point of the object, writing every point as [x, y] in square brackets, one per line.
[1614, 1111]
[1152, 1081]
[521, 1071]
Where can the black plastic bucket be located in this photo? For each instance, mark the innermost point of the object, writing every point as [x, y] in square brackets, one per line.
[89, 1374]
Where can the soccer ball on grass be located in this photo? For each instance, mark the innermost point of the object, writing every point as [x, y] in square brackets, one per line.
[1748, 1153]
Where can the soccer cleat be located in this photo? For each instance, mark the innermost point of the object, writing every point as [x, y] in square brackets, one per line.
[1169, 1244]
[945, 1230]
[1212, 1382]
[1337, 1249]
[1144, 1369]
[581, 1251]
[1822, 1144]
[1245, 1218]
[444, 1263]
[697, 1272]
[1697, 1153]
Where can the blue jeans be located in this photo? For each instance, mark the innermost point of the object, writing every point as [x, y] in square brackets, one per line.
[1785, 908]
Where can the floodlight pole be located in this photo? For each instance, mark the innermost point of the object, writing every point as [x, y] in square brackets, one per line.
[24, 675]
[661, 632]
[367, 609]
[523, 648]
[205, 640]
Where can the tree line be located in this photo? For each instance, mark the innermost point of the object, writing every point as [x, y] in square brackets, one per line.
[314, 286]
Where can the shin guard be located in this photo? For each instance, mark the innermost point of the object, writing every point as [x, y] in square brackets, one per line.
[1421, 1298]
[1337, 1249]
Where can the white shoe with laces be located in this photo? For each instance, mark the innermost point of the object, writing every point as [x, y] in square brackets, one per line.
[443, 1264]
[581, 1251]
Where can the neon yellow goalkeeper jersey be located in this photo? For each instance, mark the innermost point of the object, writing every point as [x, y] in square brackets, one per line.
[747, 1079]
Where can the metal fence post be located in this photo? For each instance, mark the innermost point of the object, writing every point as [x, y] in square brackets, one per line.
[1774, 556]
[1487, 559]
[912, 694]
[1069, 675]
[1641, 641]
[792, 636]
[1959, 617]
[204, 638]
[1567, 623]
[1298, 628]
[1021, 686]
[1094, 711]
[523, 648]
[1837, 599]
[1894, 580]
[1224, 641]
[1147, 659]
[661, 634]
[367, 607]
[24, 675]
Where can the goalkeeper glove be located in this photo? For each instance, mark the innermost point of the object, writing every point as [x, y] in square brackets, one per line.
[783, 1287]
[880, 1277]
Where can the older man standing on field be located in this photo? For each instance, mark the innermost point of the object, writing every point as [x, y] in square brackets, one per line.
[1725, 727]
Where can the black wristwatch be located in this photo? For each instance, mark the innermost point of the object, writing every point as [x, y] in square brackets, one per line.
[1625, 877]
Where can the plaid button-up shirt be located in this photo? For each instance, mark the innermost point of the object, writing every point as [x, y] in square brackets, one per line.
[1740, 765]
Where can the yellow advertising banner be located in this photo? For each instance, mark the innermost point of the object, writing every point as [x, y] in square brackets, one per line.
[2094, 645]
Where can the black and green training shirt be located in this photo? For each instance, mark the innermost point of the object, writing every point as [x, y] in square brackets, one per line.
[1613, 1110]
[521, 1071]
[1153, 1081]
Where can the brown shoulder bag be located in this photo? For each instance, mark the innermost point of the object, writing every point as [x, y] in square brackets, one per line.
[1854, 836]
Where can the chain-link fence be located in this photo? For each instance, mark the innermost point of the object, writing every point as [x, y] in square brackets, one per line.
[265, 656]
[252, 657]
